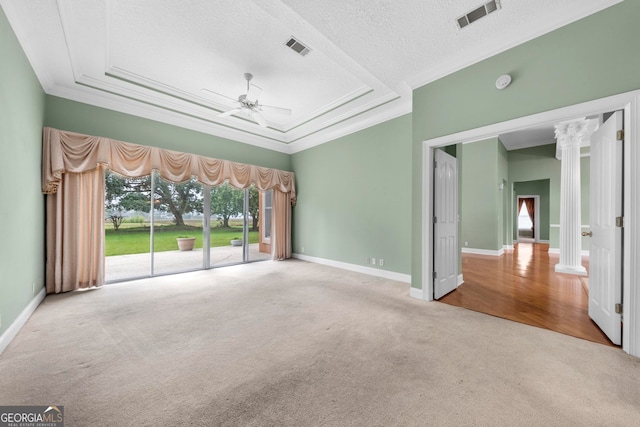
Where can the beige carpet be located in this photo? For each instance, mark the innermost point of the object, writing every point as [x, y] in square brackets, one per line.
[293, 343]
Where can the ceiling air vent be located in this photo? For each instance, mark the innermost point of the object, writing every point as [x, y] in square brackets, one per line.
[478, 13]
[297, 46]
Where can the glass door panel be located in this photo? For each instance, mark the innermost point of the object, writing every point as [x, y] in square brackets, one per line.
[260, 224]
[177, 226]
[227, 222]
[127, 227]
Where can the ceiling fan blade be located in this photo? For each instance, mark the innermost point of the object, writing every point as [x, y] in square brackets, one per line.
[253, 93]
[230, 112]
[279, 110]
[258, 118]
[210, 92]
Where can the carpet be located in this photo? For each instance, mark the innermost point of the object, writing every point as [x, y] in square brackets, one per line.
[299, 344]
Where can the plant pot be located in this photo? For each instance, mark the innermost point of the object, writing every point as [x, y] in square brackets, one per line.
[236, 242]
[186, 243]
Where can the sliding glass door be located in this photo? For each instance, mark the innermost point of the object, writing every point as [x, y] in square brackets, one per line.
[157, 227]
[177, 226]
[127, 225]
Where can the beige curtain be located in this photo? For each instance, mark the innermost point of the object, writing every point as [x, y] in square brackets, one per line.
[530, 204]
[281, 226]
[75, 232]
[73, 168]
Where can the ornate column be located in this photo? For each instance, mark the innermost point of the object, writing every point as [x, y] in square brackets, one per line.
[570, 136]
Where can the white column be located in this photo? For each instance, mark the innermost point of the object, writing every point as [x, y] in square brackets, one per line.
[570, 136]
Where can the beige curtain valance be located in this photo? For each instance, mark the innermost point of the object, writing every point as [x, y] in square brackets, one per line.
[65, 152]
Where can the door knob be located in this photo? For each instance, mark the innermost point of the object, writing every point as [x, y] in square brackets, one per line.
[587, 233]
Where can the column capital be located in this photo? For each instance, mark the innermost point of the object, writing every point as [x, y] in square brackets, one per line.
[574, 133]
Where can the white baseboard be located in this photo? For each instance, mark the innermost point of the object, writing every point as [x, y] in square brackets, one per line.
[416, 293]
[556, 251]
[543, 241]
[507, 247]
[482, 251]
[14, 328]
[460, 279]
[391, 275]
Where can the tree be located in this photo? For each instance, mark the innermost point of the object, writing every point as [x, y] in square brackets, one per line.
[226, 202]
[178, 199]
[254, 207]
[114, 191]
[123, 194]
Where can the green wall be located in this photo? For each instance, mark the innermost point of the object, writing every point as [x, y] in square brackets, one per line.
[22, 206]
[536, 163]
[503, 201]
[555, 70]
[481, 205]
[354, 197]
[82, 118]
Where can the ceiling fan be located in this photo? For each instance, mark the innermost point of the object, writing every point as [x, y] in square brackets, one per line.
[249, 105]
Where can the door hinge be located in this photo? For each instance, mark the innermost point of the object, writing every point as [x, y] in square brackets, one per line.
[618, 308]
[435, 275]
[435, 219]
[619, 221]
[620, 135]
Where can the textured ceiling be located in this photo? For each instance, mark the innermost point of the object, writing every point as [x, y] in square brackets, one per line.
[153, 58]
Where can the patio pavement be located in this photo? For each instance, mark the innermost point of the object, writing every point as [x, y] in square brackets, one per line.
[123, 267]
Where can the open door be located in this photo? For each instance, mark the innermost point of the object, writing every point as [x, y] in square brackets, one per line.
[605, 252]
[445, 227]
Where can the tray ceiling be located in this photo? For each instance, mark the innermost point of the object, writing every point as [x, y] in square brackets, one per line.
[183, 62]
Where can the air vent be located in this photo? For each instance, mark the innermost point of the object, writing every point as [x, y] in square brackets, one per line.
[297, 46]
[478, 13]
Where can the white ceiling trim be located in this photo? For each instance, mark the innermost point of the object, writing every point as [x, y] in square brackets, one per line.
[119, 104]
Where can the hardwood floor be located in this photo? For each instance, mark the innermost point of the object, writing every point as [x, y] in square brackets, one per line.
[522, 286]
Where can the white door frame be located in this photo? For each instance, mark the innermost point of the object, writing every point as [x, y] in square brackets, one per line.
[536, 213]
[630, 103]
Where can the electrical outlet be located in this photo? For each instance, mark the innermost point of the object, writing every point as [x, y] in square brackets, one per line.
[302, 249]
[373, 261]
[381, 262]
[466, 243]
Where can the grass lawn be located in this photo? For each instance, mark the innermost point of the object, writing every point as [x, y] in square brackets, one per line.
[135, 240]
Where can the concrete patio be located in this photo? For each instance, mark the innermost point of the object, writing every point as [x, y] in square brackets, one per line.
[123, 267]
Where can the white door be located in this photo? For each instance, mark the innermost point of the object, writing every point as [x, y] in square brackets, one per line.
[445, 227]
[605, 252]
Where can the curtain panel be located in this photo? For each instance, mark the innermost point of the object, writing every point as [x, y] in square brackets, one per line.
[530, 203]
[73, 168]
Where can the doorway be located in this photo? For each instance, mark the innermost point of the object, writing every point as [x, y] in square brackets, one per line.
[525, 208]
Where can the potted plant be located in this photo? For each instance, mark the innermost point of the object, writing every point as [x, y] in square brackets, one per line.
[186, 243]
[236, 241]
